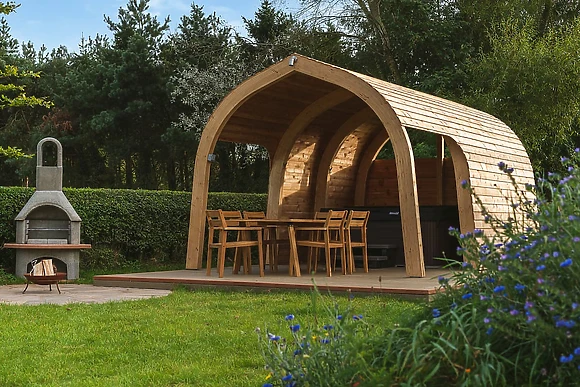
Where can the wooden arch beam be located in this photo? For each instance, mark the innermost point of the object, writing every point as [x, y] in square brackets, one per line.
[298, 125]
[464, 202]
[208, 140]
[376, 144]
[359, 119]
[363, 88]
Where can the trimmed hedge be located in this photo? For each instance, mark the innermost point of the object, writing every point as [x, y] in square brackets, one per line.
[124, 225]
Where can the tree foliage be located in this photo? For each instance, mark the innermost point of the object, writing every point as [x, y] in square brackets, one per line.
[129, 109]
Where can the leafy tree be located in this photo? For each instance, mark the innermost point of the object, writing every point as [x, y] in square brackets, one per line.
[532, 84]
[13, 96]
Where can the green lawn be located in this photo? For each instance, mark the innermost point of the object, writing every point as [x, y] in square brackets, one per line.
[200, 338]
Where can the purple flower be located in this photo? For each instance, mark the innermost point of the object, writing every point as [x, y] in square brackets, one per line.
[514, 312]
[295, 328]
[464, 183]
[501, 165]
[531, 317]
[555, 254]
[541, 281]
[566, 262]
[486, 320]
[528, 305]
[566, 359]
[490, 310]
[576, 239]
[483, 298]
[287, 377]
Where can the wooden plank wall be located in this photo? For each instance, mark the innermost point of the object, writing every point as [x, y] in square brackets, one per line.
[382, 188]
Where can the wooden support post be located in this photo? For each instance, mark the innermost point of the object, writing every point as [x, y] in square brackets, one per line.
[439, 170]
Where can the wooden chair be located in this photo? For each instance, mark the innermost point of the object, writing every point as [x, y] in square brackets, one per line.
[270, 239]
[332, 237]
[223, 222]
[357, 221]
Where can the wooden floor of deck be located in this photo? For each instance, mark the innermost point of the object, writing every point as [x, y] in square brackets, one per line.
[392, 281]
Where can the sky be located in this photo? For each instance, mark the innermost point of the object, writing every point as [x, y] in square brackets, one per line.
[64, 22]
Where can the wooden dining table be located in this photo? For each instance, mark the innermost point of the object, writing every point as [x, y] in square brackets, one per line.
[290, 224]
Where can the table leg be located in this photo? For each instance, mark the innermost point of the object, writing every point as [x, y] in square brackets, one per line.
[294, 264]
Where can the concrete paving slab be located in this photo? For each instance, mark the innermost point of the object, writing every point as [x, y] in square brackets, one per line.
[73, 293]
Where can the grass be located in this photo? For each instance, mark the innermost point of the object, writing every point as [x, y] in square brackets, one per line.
[198, 338]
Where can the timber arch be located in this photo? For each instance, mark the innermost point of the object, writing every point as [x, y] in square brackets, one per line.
[323, 127]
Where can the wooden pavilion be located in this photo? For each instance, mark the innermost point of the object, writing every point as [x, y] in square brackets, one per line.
[323, 127]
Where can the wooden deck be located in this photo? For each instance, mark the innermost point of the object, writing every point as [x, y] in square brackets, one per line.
[387, 281]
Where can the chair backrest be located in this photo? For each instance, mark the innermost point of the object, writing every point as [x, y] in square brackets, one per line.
[215, 219]
[357, 219]
[254, 215]
[335, 219]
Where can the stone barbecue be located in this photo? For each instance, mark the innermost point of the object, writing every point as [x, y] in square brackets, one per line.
[48, 227]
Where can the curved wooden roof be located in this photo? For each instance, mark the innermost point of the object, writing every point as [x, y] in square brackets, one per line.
[314, 117]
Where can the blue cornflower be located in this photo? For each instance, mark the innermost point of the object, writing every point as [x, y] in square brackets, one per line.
[357, 317]
[519, 287]
[287, 377]
[501, 165]
[572, 217]
[489, 331]
[297, 352]
[273, 337]
[467, 296]
[443, 280]
[289, 317]
[436, 312]
[498, 289]
[325, 341]
[452, 229]
[566, 263]
[566, 359]
[577, 351]
[295, 328]
[339, 317]
[540, 267]
[466, 264]
[328, 327]
[453, 305]
[267, 385]
[574, 305]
